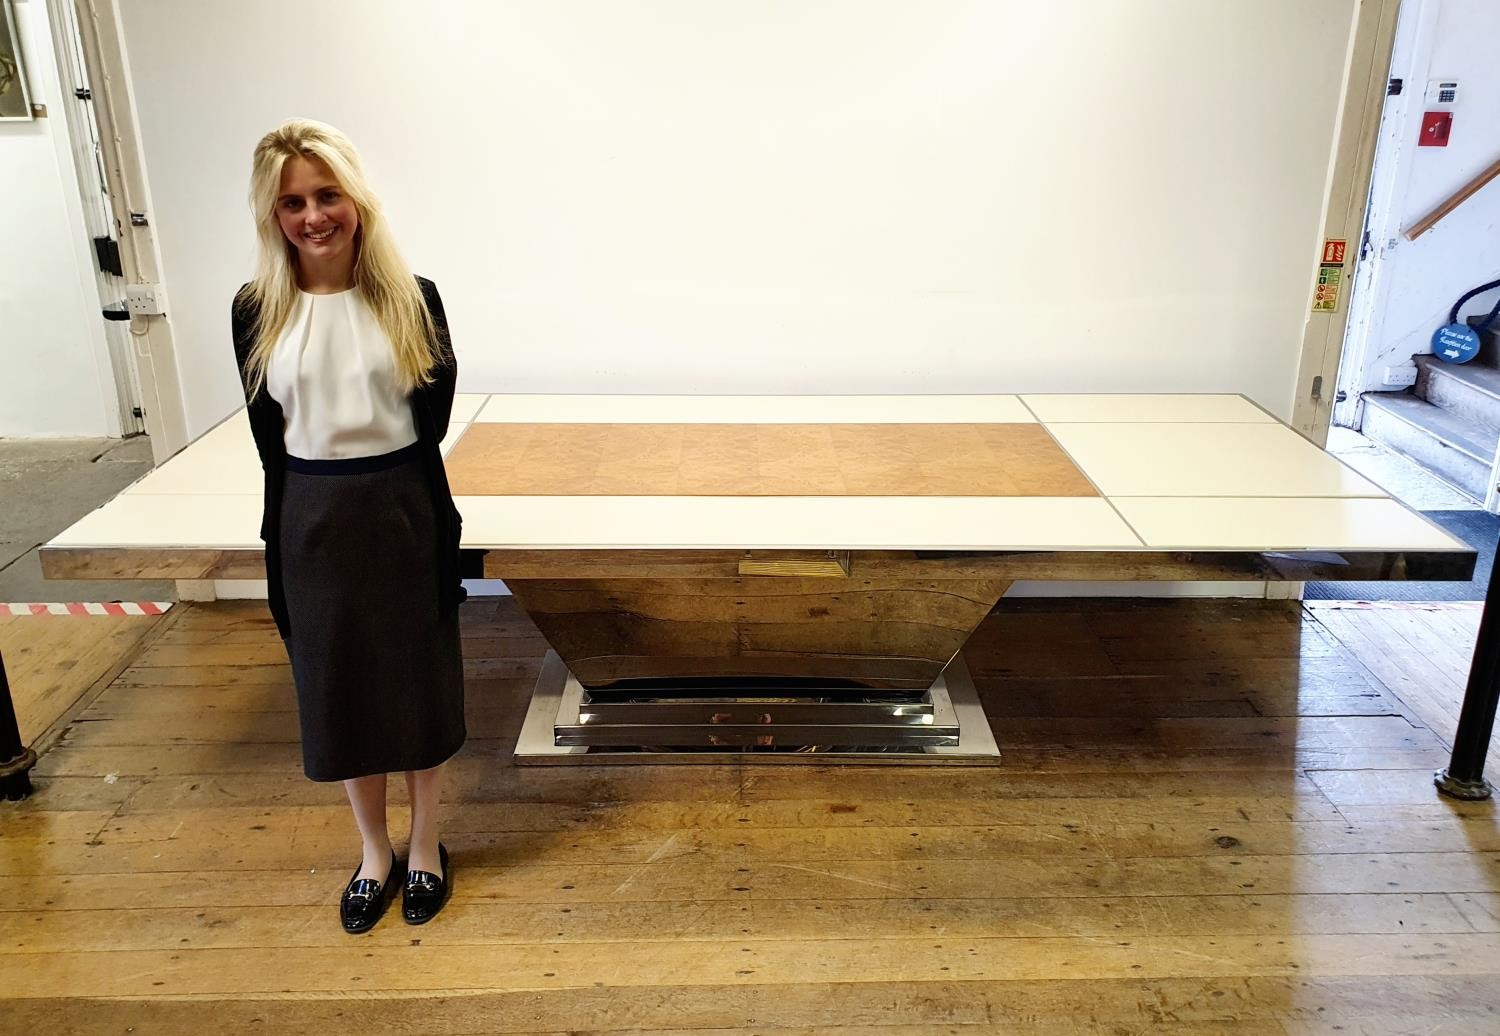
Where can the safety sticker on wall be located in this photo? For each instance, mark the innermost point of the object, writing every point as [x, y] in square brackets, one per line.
[1330, 276]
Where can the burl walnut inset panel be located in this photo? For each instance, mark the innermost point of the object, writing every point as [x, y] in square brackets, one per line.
[762, 460]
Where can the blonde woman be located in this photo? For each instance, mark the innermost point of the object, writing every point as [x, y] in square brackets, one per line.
[349, 377]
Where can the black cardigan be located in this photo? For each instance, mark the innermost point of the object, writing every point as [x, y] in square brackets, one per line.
[432, 405]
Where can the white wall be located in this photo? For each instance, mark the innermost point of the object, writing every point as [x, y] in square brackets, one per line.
[54, 375]
[1418, 281]
[804, 195]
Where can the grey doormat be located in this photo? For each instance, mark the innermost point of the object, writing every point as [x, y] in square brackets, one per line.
[1479, 529]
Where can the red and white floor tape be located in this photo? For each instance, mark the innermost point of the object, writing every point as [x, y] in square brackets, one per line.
[107, 608]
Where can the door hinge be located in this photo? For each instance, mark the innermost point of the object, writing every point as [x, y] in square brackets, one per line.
[83, 93]
[1317, 388]
[1393, 88]
[107, 251]
[138, 219]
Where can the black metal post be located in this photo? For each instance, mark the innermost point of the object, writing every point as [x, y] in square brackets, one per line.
[1463, 778]
[16, 760]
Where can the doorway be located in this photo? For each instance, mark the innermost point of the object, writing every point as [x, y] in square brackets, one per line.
[1443, 418]
[1426, 430]
[77, 98]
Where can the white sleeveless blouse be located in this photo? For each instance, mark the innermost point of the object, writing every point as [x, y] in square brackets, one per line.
[334, 374]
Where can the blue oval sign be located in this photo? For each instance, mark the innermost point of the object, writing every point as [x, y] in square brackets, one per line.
[1456, 343]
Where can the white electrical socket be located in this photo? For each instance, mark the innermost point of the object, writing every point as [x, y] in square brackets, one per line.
[1399, 377]
[146, 300]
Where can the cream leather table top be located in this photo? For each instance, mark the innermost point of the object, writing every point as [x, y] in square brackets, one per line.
[1163, 472]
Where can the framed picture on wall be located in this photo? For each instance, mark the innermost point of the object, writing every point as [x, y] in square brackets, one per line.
[15, 100]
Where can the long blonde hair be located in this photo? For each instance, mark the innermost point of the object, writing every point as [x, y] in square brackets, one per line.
[380, 274]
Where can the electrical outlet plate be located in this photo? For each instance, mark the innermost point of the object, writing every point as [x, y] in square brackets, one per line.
[146, 300]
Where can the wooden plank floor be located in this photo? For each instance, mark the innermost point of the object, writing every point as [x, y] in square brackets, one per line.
[1212, 817]
[53, 660]
[1422, 652]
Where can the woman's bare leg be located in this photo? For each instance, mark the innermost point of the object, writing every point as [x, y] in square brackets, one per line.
[367, 797]
[426, 790]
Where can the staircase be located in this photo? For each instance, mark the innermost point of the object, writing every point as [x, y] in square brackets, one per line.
[1449, 422]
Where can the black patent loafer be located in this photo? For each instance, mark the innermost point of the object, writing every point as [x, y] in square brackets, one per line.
[424, 893]
[365, 899]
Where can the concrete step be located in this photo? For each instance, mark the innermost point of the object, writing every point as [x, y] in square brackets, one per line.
[1454, 450]
[1469, 392]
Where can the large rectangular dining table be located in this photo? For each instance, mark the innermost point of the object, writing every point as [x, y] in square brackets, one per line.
[798, 574]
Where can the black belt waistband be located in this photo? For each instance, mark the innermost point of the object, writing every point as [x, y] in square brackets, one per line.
[355, 465]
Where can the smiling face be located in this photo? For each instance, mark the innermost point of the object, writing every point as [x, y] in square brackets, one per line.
[316, 216]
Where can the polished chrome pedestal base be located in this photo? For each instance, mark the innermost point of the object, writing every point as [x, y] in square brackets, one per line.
[943, 725]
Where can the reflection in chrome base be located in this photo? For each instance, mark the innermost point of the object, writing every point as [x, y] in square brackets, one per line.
[681, 722]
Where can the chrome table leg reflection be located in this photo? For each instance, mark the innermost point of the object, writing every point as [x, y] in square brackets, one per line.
[683, 721]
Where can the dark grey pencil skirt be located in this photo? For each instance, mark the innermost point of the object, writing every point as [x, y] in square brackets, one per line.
[379, 672]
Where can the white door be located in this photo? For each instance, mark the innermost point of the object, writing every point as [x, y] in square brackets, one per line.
[1381, 225]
